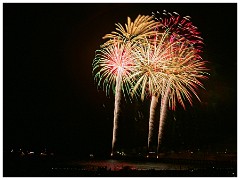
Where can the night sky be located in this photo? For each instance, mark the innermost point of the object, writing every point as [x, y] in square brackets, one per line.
[51, 100]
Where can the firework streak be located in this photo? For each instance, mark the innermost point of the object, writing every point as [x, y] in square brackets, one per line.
[116, 110]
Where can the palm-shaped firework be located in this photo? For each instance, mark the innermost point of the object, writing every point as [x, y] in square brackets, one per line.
[148, 73]
[185, 67]
[169, 71]
[151, 58]
[113, 63]
[183, 73]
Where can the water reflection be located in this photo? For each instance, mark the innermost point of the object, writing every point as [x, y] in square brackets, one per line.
[116, 165]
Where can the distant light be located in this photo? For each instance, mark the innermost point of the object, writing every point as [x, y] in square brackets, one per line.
[111, 154]
[43, 154]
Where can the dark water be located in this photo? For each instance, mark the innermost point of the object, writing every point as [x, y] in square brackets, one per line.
[40, 167]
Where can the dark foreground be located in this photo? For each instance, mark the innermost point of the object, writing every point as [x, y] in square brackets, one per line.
[52, 167]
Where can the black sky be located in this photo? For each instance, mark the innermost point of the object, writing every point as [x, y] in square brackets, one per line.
[49, 96]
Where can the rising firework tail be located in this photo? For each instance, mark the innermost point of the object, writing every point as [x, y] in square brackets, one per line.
[152, 117]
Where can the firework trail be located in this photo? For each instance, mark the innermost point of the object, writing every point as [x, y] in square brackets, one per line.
[116, 110]
[163, 111]
[153, 106]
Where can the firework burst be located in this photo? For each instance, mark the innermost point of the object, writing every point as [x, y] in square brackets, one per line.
[179, 27]
[134, 32]
[112, 63]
